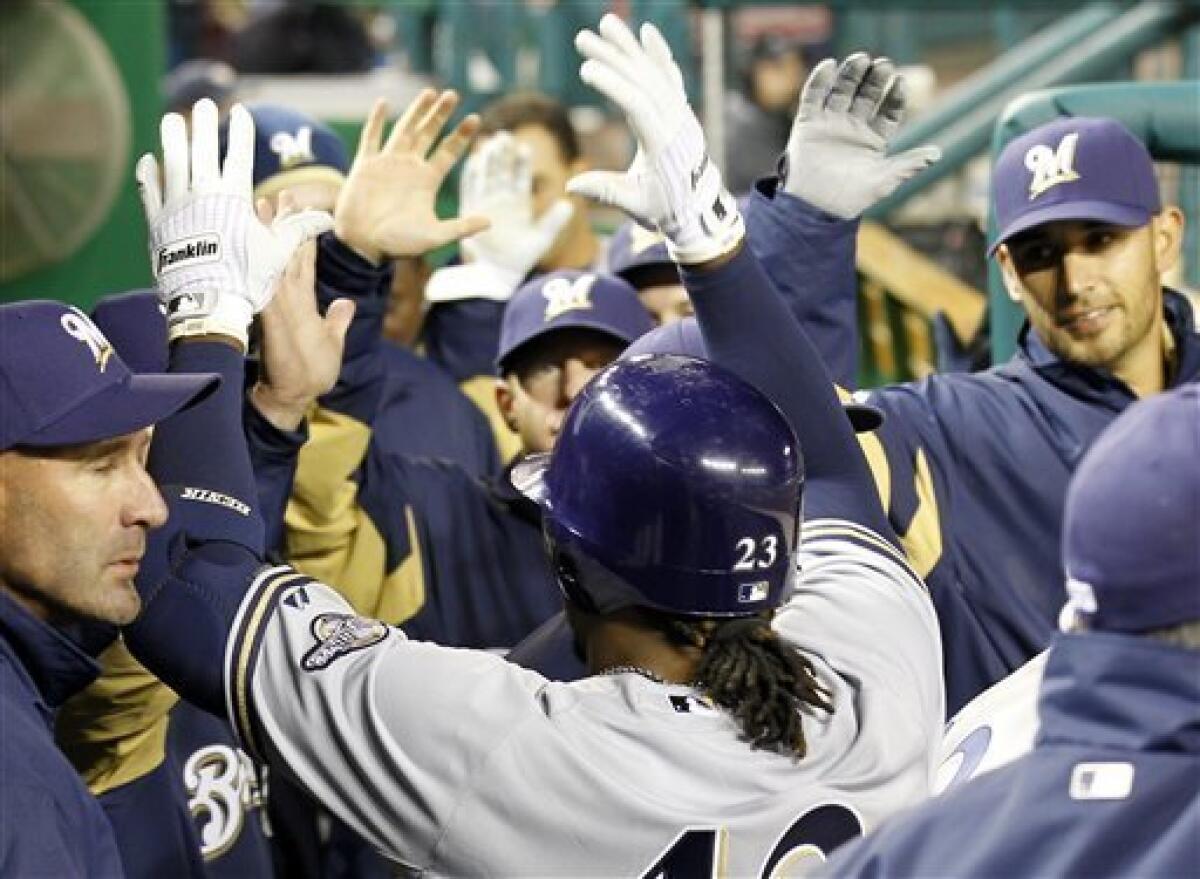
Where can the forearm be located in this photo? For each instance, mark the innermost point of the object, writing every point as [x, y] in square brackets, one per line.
[750, 331]
[809, 257]
[274, 454]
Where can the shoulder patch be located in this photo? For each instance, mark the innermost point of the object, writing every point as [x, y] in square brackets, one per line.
[338, 634]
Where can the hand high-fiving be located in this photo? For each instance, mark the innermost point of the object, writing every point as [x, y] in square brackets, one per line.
[672, 185]
[387, 205]
[836, 156]
[215, 262]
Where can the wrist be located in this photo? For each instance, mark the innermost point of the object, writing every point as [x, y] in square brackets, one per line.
[360, 244]
[282, 411]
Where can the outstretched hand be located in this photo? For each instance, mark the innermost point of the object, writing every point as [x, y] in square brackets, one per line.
[301, 351]
[386, 209]
[672, 185]
[836, 157]
[215, 262]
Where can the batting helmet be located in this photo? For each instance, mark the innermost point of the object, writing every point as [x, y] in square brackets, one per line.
[673, 485]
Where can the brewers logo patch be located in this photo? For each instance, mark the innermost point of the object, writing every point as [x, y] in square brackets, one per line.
[338, 634]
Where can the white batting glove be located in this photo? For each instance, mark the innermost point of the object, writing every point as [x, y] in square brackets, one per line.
[216, 264]
[497, 183]
[836, 157]
[672, 185]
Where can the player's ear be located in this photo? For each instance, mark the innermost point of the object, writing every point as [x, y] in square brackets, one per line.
[506, 400]
[1008, 273]
[1167, 228]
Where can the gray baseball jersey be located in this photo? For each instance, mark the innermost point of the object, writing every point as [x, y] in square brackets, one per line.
[457, 763]
[993, 729]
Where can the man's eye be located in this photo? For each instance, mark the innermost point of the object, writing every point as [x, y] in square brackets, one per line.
[1098, 239]
[1036, 255]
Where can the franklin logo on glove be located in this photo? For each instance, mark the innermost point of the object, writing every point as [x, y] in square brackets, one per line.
[190, 252]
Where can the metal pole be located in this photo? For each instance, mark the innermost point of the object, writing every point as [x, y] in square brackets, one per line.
[712, 35]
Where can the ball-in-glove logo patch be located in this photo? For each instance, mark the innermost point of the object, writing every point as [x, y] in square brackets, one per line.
[338, 634]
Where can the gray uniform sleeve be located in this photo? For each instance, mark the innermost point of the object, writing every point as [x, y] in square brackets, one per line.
[861, 609]
[384, 731]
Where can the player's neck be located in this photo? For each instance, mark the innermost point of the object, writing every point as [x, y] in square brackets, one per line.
[626, 641]
[1145, 367]
[578, 250]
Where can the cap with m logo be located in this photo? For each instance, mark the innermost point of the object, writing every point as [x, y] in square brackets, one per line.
[1075, 168]
[61, 382]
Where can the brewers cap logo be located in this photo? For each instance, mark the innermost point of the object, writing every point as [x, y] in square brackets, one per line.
[293, 149]
[79, 326]
[563, 295]
[1051, 167]
[338, 634]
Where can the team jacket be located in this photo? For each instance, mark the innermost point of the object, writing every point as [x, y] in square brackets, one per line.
[49, 824]
[978, 466]
[456, 558]
[1108, 790]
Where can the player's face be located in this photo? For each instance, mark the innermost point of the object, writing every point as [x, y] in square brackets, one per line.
[74, 523]
[534, 399]
[1091, 289]
[551, 171]
[666, 303]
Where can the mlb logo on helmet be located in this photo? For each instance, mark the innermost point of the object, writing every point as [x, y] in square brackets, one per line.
[751, 592]
[567, 294]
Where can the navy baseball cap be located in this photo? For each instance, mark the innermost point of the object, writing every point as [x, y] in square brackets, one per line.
[137, 327]
[571, 300]
[292, 148]
[636, 252]
[198, 78]
[684, 338]
[62, 383]
[1131, 530]
[1075, 168]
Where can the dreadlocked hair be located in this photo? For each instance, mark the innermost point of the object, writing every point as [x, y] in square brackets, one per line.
[763, 681]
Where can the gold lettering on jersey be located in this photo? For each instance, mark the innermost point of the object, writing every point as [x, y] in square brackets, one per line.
[1051, 167]
[563, 295]
[222, 788]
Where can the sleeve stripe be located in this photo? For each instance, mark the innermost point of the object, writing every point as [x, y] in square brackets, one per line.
[242, 649]
[820, 530]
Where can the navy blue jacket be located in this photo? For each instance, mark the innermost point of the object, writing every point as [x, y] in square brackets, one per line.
[979, 465]
[1110, 788]
[49, 824]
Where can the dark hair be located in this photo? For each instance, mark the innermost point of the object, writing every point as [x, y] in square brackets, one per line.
[762, 680]
[519, 109]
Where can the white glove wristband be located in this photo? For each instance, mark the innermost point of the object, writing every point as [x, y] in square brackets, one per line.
[472, 281]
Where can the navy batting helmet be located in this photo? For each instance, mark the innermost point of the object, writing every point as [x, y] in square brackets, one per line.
[674, 485]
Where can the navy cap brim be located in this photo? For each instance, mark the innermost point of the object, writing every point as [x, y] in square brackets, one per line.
[575, 323]
[124, 408]
[1101, 211]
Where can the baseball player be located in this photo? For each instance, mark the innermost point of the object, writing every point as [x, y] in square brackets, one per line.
[1109, 787]
[672, 516]
[975, 467]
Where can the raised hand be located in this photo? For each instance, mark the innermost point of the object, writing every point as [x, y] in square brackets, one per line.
[386, 208]
[672, 185]
[215, 262]
[836, 157]
[497, 183]
[301, 350]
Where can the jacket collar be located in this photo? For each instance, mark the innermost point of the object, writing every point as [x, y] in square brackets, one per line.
[1126, 692]
[502, 490]
[1102, 387]
[51, 665]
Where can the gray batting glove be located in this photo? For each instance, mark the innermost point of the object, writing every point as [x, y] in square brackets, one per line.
[836, 157]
